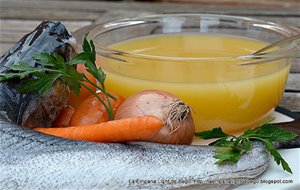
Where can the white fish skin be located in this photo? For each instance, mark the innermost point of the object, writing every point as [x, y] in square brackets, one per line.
[31, 160]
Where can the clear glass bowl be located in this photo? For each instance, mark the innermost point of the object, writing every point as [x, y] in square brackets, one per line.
[231, 92]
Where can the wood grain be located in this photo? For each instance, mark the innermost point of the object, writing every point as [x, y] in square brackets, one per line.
[282, 9]
[28, 25]
[45, 14]
[291, 101]
[293, 82]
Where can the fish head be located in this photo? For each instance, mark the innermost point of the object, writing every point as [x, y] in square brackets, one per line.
[33, 110]
[47, 37]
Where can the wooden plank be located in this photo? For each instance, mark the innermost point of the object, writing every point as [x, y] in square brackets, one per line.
[121, 14]
[4, 47]
[47, 14]
[295, 68]
[77, 10]
[29, 25]
[293, 82]
[291, 101]
[11, 37]
[13, 30]
[74, 10]
[91, 6]
[266, 3]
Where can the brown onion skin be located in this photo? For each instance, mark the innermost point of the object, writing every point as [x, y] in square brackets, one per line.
[157, 103]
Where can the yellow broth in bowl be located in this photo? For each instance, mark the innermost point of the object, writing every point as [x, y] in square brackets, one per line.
[205, 72]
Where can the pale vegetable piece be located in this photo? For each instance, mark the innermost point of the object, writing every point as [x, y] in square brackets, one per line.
[178, 126]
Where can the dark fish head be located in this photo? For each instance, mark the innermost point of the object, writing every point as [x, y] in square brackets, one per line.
[46, 38]
[33, 110]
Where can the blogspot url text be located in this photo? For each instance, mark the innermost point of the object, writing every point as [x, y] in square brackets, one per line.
[200, 181]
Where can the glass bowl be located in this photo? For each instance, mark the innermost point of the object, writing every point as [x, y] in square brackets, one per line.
[229, 91]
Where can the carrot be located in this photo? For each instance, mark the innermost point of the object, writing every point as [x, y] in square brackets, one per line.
[91, 110]
[128, 129]
[75, 100]
[64, 118]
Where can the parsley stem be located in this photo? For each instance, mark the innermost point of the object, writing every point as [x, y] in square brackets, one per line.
[90, 82]
[258, 138]
[107, 98]
[108, 109]
[55, 71]
[266, 121]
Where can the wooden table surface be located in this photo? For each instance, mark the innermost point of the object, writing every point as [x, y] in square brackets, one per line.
[18, 17]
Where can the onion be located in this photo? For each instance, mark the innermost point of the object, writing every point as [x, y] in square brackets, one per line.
[178, 126]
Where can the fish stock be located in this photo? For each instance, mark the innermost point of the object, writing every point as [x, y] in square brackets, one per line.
[35, 110]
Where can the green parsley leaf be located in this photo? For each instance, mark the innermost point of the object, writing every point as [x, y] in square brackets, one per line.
[59, 61]
[86, 46]
[231, 148]
[21, 71]
[222, 142]
[246, 145]
[45, 59]
[80, 58]
[277, 157]
[101, 75]
[39, 85]
[214, 133]
[90, 54]
[23, 66]
[89, 49]
[73, 79]
[227, 154]
[281, 134]
[93, 50]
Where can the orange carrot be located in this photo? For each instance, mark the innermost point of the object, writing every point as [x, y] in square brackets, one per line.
[91, 110]
[64, 118]
[129, 129]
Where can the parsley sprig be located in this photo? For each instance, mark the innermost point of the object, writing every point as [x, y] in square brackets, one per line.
[230, 148]
[51, 67]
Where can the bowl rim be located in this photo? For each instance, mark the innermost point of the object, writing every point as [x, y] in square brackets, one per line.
[282, 52]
